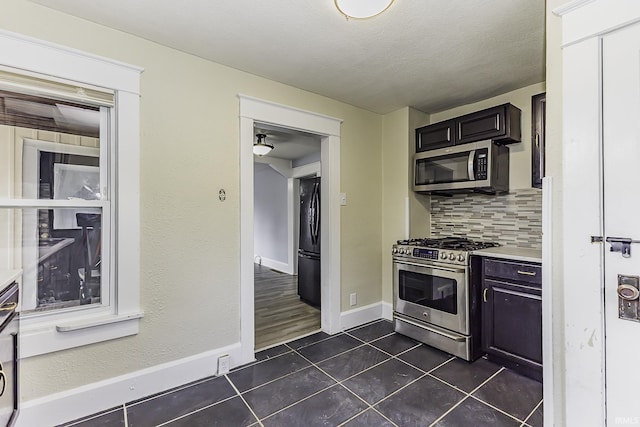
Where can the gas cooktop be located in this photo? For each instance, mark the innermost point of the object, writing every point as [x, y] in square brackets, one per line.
[451, 243]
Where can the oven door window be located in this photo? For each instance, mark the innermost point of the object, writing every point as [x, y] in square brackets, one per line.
[436, 292]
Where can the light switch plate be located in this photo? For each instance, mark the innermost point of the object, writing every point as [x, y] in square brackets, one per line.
[343, 199]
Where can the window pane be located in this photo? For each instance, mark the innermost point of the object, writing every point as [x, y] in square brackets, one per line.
[38, 169]
[61, 266]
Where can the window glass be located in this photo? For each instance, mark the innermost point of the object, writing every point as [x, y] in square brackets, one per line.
[55, 197]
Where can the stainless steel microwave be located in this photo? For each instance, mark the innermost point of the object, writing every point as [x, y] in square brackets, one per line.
[474, 167]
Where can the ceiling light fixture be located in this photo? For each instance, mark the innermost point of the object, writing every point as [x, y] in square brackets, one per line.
[361, 9]
[260, 148]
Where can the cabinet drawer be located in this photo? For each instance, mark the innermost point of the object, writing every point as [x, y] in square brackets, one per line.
[512, 270]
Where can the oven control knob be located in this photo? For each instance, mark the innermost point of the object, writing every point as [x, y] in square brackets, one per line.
[443, 255]
[404, 251]
[394, 250]
[452, 256]
[461, 258]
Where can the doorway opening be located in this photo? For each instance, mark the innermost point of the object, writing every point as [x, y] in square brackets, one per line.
[255, 113]
[287, 262]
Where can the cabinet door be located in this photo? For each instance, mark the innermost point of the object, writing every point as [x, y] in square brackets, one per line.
[500, 124]
[512, 322]
[485, 124]
[437, 135]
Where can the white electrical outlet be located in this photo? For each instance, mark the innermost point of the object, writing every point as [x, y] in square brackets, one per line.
[224, 364]
[353, 299]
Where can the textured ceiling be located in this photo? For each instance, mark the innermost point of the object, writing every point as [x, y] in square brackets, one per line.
[428, 54]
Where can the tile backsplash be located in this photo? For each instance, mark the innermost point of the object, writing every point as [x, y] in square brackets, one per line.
[513, 219]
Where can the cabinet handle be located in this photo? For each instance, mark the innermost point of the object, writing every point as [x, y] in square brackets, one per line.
[3, 378]
[7, 306]
[528, 273]
[484, 295]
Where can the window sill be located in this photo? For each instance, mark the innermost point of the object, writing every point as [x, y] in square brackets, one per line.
[37, 339]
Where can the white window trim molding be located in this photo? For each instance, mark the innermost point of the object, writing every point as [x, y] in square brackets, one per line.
[122, 318]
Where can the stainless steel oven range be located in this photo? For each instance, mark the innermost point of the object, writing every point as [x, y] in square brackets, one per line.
[434, 299]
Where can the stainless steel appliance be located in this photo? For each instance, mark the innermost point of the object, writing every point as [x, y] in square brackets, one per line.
[478, 166]
[309, 242]
[435, 299]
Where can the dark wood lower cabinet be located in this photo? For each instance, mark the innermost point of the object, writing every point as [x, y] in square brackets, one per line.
[512, 316]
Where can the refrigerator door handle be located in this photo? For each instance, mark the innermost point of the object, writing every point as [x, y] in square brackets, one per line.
[316, 216]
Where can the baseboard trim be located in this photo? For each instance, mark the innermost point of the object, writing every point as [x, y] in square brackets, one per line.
[275, 265]
[387, 310]
[360, 316]
[91, 398]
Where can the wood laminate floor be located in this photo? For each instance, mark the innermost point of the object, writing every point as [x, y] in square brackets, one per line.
[279, 314]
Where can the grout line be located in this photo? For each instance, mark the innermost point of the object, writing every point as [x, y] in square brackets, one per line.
[276, 379]
[467, 394]
[173, 390]
[195, 411]
[334, 356]
[243, 399]
[92, 416]
[257, 362]
[448, 411]
[340, 383]
[126, 418]
[526, 420]
[498, 409]
[369, 342]
[487, 380]
[298, 401]
[315, 342]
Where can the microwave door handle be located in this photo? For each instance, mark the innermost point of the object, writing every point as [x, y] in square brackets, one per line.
[470, 163]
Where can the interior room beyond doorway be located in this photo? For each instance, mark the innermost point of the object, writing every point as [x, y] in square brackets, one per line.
[282, 309]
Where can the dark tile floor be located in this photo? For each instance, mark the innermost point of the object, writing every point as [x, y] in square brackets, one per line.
[367, 376]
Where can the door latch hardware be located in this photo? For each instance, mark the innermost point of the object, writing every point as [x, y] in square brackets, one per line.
[621, 244]
[628, 293]
[596, 239]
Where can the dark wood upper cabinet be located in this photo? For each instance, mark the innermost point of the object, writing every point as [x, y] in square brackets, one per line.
[500, 124]
[538, 124]
[434, 136]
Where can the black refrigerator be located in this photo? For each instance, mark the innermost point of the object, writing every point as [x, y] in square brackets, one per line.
[309, 245]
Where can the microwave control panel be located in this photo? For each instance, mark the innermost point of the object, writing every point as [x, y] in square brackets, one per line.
[481, 164]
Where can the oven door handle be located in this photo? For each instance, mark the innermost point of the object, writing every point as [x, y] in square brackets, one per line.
[435, 331]
[435, 267]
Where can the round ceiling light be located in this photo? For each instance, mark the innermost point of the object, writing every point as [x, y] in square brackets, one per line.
[362, 9]
[260, 147]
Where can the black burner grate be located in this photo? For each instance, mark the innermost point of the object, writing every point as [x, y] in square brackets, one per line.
[452, 243]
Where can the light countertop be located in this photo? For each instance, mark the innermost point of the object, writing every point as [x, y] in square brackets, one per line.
[8, 276]
[512, 253]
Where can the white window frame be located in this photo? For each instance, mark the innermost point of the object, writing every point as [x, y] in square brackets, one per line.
[58, 331]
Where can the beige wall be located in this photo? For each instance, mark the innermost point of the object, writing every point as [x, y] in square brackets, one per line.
[190, 240]
[398, 134]
[519, 153]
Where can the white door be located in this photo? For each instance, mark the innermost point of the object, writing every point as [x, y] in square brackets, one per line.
[621, 159]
